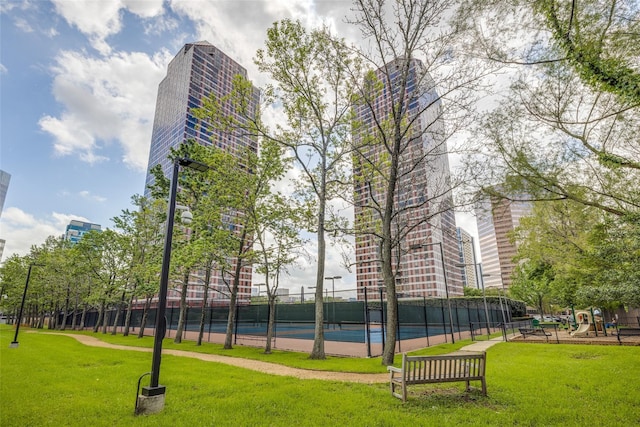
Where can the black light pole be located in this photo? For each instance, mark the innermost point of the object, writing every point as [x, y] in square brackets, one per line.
[446, 285]
[14, 343]
[154, 388]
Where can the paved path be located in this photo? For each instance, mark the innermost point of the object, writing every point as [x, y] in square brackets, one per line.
[267, 367]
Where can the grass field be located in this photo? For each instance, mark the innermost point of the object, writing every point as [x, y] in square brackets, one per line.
[54, 380]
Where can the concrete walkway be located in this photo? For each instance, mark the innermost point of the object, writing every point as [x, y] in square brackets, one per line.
[267, 367]
[479, 346]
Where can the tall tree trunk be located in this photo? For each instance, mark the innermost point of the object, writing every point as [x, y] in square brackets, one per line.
[143, 320]
[74, 320]
[83, 318]
[205, 298]
[317, 352]
[99, 319]
[114, 329]
[183, 309]
[127, 320]
[65, 312]
[389, 350]
[270, 323]
[118, 314]
[231, 318]
[105, 321]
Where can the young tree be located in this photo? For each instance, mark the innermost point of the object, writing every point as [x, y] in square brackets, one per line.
[312, 87]
[107, 263]
[141, 230]
[417, 95]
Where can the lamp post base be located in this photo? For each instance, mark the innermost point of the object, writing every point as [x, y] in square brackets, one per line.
[151, 401]
[14, 344]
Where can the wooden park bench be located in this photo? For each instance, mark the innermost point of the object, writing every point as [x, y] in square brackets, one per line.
[437, 369]
[627, 332]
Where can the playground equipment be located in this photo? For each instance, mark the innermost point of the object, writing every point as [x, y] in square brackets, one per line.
[588, 321]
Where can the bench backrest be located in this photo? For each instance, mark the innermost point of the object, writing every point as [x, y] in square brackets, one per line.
[629, 331]
[445, 367]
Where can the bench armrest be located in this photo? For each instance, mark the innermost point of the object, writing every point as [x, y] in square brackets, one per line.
[394, 369]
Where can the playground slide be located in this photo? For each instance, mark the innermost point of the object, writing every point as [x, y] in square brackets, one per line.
[583, 330]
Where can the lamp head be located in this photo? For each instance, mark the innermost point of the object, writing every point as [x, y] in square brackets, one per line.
[186, 217]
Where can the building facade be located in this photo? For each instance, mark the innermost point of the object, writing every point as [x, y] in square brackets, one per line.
[76, 229]
[197, 71]
[496, 219]
[424, 230]
[5, 179]
[468, 261]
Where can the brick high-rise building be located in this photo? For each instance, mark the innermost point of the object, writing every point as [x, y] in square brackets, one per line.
[198, 70]
[424, 226]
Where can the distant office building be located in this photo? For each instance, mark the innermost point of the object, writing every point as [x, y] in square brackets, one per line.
[198, 70]
[467, 259]
[76, 229]
[5, 178]
[421, 193]
[496, 218]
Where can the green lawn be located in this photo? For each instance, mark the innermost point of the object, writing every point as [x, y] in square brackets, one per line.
[54, 380]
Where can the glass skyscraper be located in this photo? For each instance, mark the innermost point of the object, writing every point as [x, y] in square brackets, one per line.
[424, 221]
[76, 229]
[197, 71]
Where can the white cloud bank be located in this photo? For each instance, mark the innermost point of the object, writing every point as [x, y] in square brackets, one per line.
[105, 100]
[22, 230]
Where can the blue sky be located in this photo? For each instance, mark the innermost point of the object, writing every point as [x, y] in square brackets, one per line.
[78, 84]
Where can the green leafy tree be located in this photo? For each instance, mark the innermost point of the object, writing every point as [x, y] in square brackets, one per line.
[107, 264]
[141, 231]
[312, 87]
[565, 128]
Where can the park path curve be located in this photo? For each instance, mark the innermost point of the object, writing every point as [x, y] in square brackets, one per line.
[265, 367]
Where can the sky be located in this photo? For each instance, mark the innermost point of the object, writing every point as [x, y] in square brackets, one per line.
[78, 85]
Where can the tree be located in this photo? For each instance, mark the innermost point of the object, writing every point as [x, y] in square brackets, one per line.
[590, 257]
[141, 231]
[411, 53]
[312, 87]
[278, 243]
[107, 262]
[532, 284]
[565, 129]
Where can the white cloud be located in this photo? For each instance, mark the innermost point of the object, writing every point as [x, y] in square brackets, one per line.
[3, 69]
[101, 19]
[23, 25]
[105, 100]
[144, 8]
[86, 194]
[239, 28]
[22, 230]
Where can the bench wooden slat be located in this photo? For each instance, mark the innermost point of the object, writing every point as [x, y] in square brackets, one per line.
[436, 369]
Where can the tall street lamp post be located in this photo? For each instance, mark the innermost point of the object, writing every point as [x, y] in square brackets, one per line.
[446, 285]
[14, 343]
[333, 296]
[152, 399]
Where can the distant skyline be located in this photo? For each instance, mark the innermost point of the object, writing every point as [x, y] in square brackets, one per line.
[78, 85]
